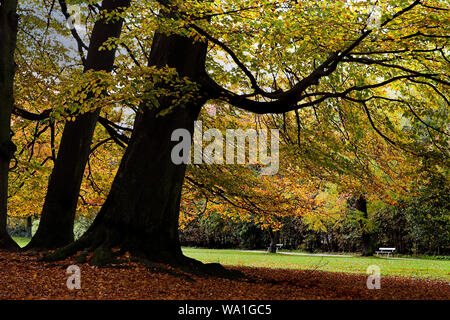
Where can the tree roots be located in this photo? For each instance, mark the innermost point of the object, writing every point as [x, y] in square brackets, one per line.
[104, 254]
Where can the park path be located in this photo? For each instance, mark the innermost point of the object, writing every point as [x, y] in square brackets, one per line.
[302, 254]
[330, 255]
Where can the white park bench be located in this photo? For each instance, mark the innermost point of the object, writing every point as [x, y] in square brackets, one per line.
[387, 251]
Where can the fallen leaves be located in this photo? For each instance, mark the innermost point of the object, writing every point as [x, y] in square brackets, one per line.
[23, 277]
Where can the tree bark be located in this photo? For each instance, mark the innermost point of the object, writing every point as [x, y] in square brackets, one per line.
[366, 237]
[8, 37]
[141, 212]
[58, 213]
[274, 237]
[29, 227]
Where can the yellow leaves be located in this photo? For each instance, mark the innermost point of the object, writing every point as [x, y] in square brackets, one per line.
[84, 92]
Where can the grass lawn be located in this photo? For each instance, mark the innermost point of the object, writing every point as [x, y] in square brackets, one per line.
[431, 269]
[22, 242]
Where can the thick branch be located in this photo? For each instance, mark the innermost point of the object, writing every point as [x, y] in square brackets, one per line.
[288, 100]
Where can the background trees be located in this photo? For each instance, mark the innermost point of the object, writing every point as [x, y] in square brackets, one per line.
[417, 224]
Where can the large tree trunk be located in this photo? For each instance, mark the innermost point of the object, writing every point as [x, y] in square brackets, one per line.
[8, 36]
[57, 218]
[366, 237]
[141, 212]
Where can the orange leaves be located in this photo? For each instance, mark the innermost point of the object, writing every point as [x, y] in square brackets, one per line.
[23, 278]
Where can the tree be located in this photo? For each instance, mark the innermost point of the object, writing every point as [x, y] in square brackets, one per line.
[154, 217]
[142, 217]
[8, 34]
[392, 228]
[58, 213]
[360, 203]
[428, 213]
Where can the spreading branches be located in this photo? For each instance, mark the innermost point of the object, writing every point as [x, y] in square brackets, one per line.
[239, 63]
[114, 130]
[368, 61]
[31, 116]
[282, 106]
[284, 101]
[118, 137]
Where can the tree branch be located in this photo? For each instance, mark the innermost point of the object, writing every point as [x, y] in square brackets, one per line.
[288, 100]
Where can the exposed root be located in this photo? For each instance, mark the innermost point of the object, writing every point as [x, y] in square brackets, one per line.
[102, 257]
[65, 252]
[209, 269]
[82, 257]
[163, 260]
[46, 242]
[185, 267]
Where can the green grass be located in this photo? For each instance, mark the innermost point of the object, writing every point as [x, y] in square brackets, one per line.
[429, 269]
[22, 242]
